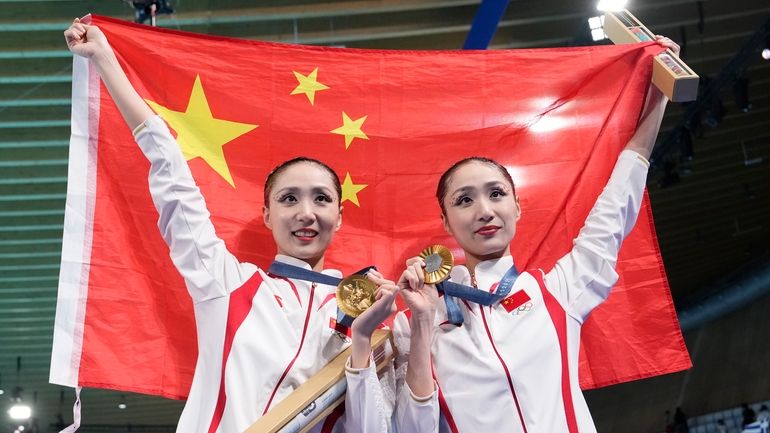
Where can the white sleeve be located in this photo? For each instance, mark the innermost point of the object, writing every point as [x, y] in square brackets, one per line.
[582, 279]
[414, 414]
[367, 410]
[209, 270]
[417, 414]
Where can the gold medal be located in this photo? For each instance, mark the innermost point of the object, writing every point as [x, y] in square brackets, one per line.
[438, 263]
[355, 294]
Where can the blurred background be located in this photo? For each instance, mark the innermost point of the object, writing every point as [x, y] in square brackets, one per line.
[709, 186]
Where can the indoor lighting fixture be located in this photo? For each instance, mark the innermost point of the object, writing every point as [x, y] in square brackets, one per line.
[611, 5]
[122, 405]
[596, 24]
[20, 411]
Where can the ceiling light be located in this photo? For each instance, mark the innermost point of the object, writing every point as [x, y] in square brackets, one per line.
[20, 411]
[766, 54]
[611, 5]
[598, 34]
[596, 24]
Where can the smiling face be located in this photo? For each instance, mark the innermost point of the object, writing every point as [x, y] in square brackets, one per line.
[303, 211]
[480, 209]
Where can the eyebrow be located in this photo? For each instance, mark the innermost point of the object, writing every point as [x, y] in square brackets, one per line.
[296, 189]
[472, 188]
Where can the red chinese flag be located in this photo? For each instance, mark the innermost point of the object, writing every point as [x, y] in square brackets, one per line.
[389, 123]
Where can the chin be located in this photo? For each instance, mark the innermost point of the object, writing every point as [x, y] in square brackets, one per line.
[307, 252]
[489, 250]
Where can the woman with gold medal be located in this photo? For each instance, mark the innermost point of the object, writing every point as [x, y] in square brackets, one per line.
[260, 335]
[512, 365]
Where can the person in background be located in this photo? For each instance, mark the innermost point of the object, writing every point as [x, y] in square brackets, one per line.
[749, 416]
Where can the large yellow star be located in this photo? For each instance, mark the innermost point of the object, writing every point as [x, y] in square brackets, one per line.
[350, 190]
[308, 85]
[199, 134]
[351, 129]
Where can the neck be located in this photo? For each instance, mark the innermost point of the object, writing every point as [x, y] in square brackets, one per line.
[316, 263]
[471, 260]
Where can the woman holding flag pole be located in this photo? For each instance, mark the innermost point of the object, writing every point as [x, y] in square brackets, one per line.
[511, 363]
[260, 335]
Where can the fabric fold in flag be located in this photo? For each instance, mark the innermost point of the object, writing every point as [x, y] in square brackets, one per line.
[389, 123]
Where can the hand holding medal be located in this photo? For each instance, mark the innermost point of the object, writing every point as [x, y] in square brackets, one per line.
[418, 281]
[438, 263]
[371, 298]
[355, 294]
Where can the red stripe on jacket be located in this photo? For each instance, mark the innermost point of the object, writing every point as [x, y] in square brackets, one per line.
[237, 311]
[559, 319]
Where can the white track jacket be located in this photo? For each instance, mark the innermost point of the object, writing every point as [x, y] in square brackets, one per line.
[259, 336]
[513, 367]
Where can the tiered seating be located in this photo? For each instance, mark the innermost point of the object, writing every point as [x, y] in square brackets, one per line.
[733, 419]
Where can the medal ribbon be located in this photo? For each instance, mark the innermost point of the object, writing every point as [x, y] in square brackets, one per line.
[450, 289]
[290, 271]
[453, 290]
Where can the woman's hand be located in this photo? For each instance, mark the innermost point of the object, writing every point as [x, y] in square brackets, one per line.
[85, 40]
[421, 298]
[364, 325]
[668, 43]
[384, 305]
[643, 139]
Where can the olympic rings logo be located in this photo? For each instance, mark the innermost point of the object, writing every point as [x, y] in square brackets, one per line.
[524, 308]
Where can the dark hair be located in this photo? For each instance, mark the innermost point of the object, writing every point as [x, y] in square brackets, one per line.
[444, 180]
[274, 173]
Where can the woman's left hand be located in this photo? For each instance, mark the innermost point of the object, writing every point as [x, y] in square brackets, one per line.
[668, 43]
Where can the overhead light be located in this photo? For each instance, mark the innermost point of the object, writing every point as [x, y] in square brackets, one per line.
[766, 54]
[149, 9]
[21, 428]
[611, 5]
[596, 24]
[20, 411]
[598, 34]
[122, 405]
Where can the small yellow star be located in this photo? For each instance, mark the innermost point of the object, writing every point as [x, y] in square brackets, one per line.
[350, 190]
[199, 134]
[308, 85]
[351, 129]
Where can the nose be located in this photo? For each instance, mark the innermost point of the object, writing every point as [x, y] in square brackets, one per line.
[484, 210]
[305, 211]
